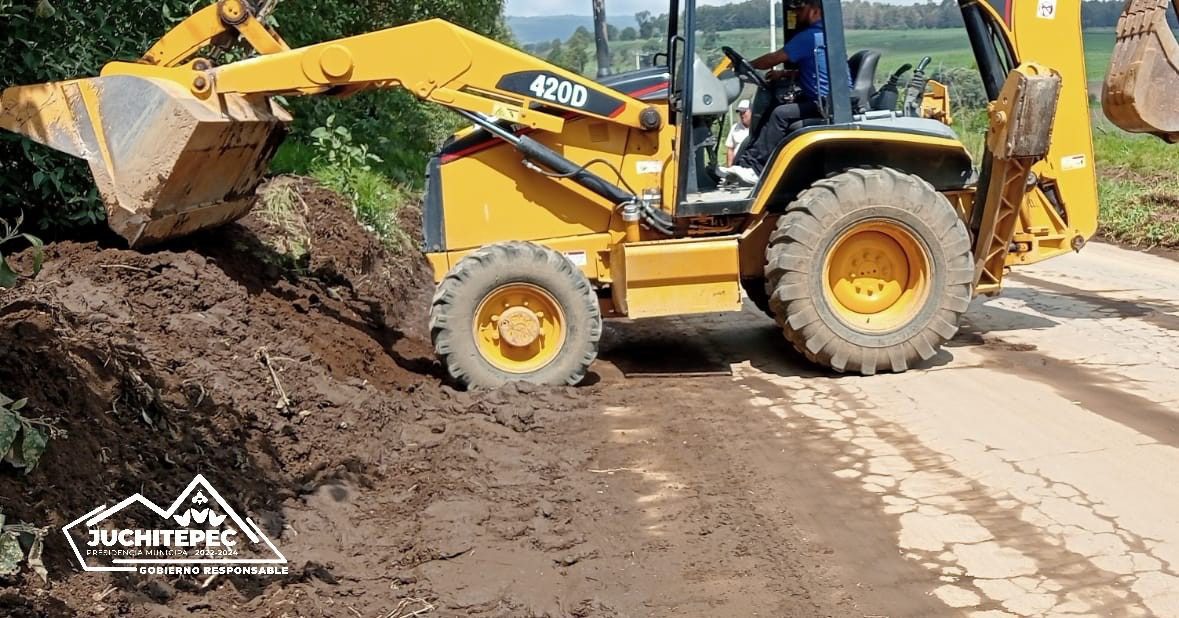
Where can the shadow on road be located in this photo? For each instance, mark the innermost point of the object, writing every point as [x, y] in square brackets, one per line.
[712, 344]
[1066, 302]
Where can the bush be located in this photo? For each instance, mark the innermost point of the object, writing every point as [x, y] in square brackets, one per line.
[10, 232]
[400, 130]
[346, 167]
[966, 87]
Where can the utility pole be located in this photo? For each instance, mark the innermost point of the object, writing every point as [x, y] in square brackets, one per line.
[600, 37]
[773, 27]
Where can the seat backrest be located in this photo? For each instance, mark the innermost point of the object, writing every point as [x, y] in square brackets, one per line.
[863, 66]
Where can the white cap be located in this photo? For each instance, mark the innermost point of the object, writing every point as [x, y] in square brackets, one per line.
[743, 105]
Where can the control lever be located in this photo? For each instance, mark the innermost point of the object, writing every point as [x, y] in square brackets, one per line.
[915, 93]
[886, 98]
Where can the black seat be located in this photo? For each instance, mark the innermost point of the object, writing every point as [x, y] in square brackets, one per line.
[863, 65]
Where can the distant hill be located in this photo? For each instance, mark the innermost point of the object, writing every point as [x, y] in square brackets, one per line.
[549, 27]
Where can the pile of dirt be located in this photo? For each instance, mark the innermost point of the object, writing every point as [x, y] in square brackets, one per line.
[302, 386]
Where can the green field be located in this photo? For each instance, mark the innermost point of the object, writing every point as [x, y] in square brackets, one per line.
[949, 48]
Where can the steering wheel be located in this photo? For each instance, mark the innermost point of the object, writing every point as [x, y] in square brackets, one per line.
[744, 69]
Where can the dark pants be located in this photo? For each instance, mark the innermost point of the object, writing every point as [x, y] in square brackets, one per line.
[757, 154]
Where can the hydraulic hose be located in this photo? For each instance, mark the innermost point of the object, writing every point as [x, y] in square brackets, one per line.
[540, 156]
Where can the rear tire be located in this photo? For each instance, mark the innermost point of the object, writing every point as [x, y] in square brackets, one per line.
[910, 280]
[516, 312]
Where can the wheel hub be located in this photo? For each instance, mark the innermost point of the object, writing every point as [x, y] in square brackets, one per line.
[877, 276]
[877, 273]
[519, 327]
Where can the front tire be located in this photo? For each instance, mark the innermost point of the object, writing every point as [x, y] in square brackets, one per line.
[870, 270]
[516, 312]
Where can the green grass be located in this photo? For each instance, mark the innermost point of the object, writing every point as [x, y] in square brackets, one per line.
[293, 157]
[1138, 186]
[1138, 213]
[376, 200]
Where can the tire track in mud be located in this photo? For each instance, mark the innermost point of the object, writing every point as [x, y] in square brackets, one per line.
[711, 473]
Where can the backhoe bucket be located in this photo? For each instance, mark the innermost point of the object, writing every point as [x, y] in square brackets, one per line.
[166, 163]
[1141, 93]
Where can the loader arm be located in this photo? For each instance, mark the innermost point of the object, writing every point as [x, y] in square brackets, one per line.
[202, 28]
[467, 72]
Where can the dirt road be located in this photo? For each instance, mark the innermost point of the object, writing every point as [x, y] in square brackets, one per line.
[1029, 472]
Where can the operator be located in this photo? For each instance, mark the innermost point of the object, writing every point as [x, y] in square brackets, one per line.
[806, 50]
[740, 131]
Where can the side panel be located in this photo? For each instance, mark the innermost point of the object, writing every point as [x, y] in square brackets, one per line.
[489, 195]
[676, 277]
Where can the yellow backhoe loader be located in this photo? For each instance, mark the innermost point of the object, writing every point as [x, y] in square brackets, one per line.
[570, 200]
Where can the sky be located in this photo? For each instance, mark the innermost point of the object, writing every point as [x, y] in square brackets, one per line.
[527, 8]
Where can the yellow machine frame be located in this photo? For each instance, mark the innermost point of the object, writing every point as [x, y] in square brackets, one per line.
[1054, 215]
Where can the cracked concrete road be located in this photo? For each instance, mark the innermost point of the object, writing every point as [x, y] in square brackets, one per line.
[1029, 471]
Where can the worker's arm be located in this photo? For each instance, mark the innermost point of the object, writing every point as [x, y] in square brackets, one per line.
[771, 60]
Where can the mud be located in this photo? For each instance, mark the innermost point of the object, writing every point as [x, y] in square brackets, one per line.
[302, 385]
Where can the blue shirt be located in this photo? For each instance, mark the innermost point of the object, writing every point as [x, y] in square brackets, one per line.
[808, 50]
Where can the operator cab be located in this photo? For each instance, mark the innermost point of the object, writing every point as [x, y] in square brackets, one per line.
[701, 100]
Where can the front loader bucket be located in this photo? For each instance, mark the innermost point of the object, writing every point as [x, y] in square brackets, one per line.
[166, 163]
[1141, 93]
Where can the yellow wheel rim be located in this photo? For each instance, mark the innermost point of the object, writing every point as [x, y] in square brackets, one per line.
[877, 276]
[519, 328]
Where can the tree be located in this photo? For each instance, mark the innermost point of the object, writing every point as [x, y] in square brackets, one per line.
[601, 38]
[629, 34]
[646, 24]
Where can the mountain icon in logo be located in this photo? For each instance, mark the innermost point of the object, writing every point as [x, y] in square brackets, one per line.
[198, 528]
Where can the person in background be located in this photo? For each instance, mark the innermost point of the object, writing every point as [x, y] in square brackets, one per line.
[740, 131]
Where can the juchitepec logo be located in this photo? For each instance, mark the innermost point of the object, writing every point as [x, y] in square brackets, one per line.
[199, 534]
